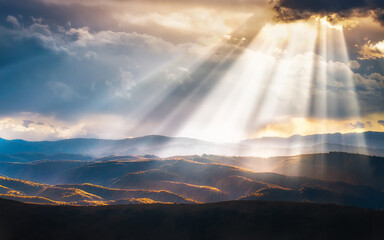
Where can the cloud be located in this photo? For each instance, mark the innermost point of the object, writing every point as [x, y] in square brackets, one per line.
[175, 21]
[381, 122]
[26, 123]
[91, 58]
[82, 71]
[354, 64]
[45, 127]
[290, 10]
[79, 36]
[307, 126]
[13, 20]
[371, 50]
[14, 127]
[358, 125]
[370, 90]
[216, 3]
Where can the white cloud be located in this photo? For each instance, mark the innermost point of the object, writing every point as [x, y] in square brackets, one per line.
[41, 127]
[80, 36]
[13, 20]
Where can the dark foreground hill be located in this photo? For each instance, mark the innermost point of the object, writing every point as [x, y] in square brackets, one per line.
[225, 220]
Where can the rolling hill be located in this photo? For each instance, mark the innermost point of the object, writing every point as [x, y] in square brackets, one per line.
[206, 178]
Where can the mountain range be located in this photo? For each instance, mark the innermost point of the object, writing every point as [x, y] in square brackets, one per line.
[371, 143]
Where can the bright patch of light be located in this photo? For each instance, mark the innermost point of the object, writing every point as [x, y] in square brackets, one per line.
[277, 62]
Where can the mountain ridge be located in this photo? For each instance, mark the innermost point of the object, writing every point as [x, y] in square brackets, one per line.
[169, 146]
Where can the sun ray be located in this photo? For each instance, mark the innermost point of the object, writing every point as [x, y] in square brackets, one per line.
[179, 102]
[227, 106]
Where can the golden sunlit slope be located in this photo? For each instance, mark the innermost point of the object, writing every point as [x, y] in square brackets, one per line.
[68, 194]
[4, 190]
[111, 194]
[136, 201]
[30, 199]
[25, 187]
[75, 195]
[275, 194]
[197, 192]
[207, 178]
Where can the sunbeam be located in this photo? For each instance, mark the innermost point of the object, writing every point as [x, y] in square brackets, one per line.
[179, 101]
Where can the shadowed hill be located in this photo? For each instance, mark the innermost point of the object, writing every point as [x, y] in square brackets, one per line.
[30, 199]
[356, 169]
[339, 193]
[227, 220]
[44, 171]
[335, 166]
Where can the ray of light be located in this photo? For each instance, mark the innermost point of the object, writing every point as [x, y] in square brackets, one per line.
[225, 114]
[319, 105]
[350, 89]
[302, 93]
[294, 78]
[179, 103]
[281, 98]
[227, 107]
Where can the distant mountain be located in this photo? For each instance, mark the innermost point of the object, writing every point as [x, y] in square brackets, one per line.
[100, 147]
[79, 149]
[243, 220]
[31, 156]
[370, 139]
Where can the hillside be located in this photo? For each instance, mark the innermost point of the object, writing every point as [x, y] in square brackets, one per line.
[204, 179]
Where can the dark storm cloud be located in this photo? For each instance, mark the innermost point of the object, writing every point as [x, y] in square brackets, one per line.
[290, 10]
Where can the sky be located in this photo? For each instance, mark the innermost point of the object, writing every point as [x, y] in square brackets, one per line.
[218, 70]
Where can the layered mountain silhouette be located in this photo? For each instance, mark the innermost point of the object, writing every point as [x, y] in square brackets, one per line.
[340, 178]
[118, 189]
[371, 143]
